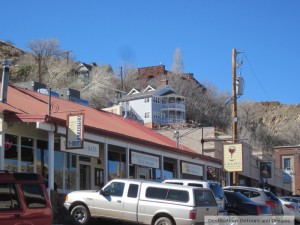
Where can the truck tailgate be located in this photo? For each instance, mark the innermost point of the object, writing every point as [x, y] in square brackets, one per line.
[205, 211]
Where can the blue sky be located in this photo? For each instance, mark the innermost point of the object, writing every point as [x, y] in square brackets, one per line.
[146, 33]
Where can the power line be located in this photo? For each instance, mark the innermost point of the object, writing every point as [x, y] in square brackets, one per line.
[256, 77]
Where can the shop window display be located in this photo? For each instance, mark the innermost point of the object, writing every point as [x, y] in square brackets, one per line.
[11, 152]
[116, 165]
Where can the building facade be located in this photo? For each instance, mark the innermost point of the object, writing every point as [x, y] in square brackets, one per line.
[206, 141]
[287, 159]
[34, 130]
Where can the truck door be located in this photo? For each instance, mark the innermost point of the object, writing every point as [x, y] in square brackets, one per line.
[11, 212]
[111, 203]
[131, 202]
[37, 208]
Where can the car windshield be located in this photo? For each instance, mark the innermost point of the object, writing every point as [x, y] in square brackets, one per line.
[217, 190]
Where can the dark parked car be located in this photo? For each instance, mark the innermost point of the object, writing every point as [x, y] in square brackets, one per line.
[238, 204]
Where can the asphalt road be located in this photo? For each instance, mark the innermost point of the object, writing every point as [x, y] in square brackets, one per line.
[92, 222]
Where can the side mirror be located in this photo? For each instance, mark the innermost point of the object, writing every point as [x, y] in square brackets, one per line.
[105, 193]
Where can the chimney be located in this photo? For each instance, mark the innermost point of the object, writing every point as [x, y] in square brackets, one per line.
[4, 84]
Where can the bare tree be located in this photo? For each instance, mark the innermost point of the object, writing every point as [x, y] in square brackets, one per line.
[43, 51]
[130, 78]
[100, 88]
[204, 107]
[290, 132]
[177, 66]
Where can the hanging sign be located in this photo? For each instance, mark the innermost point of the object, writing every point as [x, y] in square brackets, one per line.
[265, 169]
[75, 131]
[233, 157]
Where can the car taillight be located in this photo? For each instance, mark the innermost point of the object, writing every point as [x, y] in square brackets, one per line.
[193, 214]
[270, 203]
[289, 206]
[66, 198]
[258, 210]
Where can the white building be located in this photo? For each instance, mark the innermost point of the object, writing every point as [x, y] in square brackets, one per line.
[151, 106]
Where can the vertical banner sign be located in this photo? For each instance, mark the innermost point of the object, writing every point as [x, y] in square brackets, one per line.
[233, 157]
[75, 131]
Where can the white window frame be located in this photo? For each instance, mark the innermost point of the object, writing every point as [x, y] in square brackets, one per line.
[283, 164]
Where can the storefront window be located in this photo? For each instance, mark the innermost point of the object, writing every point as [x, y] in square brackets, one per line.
[116, 165]
[70, 171]
[27, 154]
[156, 174]
[132, 171]
[42, 158]
[11, 152]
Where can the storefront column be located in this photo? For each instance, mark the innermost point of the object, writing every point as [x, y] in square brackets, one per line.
[127, 162]
[19, 149]
[178, 169]
[205, 172]
[105, 163]
[162, 168]
[2, 146]
[51, 161]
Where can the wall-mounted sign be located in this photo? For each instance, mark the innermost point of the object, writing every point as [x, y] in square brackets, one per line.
[89, 149]
[75, 131]
[233, 157]
[265, 169]
[144, 160]
[192, 169]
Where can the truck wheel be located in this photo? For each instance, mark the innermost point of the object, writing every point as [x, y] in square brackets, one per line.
[163, 221]
[80, 215]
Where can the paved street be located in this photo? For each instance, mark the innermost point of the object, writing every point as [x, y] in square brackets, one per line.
[61, 217]
[67, 221]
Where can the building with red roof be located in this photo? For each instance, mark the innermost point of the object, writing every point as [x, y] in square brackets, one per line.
[35, 128]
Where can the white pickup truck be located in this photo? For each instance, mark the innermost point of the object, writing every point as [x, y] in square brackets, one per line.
[143, 202]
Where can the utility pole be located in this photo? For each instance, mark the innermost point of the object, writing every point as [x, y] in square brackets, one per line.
[67, 53]
[234, 109]
[176, 135]
[234, 101]
[40, 68]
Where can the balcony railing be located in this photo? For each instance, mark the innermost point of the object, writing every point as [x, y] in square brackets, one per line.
[172, 121]
[173, 106]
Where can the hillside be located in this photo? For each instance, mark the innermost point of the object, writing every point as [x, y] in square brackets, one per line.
[270, 123]
[10, 52]
[275, 115]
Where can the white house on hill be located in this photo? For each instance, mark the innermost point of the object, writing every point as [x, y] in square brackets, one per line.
[154, 106]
